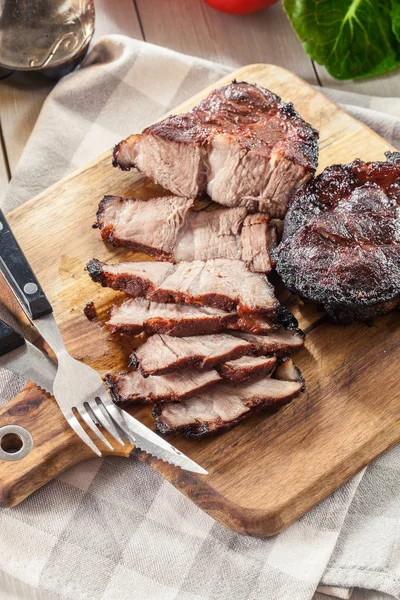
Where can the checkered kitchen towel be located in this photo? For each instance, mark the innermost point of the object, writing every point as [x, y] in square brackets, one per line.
[113, 529]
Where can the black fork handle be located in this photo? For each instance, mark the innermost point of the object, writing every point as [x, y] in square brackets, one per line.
[19, 275]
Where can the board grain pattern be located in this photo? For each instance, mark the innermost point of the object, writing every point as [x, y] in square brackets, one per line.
[268, 471]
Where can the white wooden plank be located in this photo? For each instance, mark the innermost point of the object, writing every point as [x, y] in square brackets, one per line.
[22, 95]
[236, 40]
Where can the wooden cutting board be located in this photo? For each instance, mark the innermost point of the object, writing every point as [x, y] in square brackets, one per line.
[267, 472]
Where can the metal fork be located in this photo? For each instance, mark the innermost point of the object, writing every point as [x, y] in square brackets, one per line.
[78, 389]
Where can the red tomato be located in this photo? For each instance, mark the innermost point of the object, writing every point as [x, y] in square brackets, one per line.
[239, 7]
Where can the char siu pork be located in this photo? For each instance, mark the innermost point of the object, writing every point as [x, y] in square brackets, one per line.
[219, 283]
[341, 243]
[242, 146]
[163, 353]
[223, 405]
[138, 314]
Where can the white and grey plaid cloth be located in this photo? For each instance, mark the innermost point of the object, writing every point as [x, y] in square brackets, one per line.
[113, 529]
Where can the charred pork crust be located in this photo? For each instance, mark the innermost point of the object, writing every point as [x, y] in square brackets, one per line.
[242, 145]
[95, 270]
[341, 243]
[286, 319]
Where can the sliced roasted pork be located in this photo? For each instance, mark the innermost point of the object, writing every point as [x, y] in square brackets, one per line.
[166, 229]
[164, 354]
[247, 367]
[223, 405]
[138, 314]
[219, 283]
[148, 226]
[174, 387]
[242, 146]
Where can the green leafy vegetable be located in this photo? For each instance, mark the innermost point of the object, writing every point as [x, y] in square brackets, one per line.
[351, 38]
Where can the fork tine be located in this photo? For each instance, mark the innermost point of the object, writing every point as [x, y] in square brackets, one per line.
[105, 419]
[115, 412]
[89, 422]
[77, 427]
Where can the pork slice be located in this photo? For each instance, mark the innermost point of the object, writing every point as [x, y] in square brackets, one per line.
[242, 145]
[247, 367]
[150, 226]
[219, 283]
[225, 284]
[222, 406]
[279, 341]
[135, 278]
[174, 387]
[164, 354]
[136, 315]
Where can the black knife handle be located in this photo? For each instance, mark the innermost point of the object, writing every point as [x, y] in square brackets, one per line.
[9, 339]
[19, 274]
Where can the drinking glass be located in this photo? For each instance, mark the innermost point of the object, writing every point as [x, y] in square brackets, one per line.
[45, 35]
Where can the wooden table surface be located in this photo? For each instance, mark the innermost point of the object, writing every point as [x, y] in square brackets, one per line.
[188, 26]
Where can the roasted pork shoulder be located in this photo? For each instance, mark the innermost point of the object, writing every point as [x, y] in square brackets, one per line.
[219, 283]
[223, 405]
[242, 146]
[341, 243]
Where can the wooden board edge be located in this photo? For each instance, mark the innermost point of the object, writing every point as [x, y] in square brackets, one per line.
[257, 522]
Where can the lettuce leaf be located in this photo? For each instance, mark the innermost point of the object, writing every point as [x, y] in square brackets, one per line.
[350, 38]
